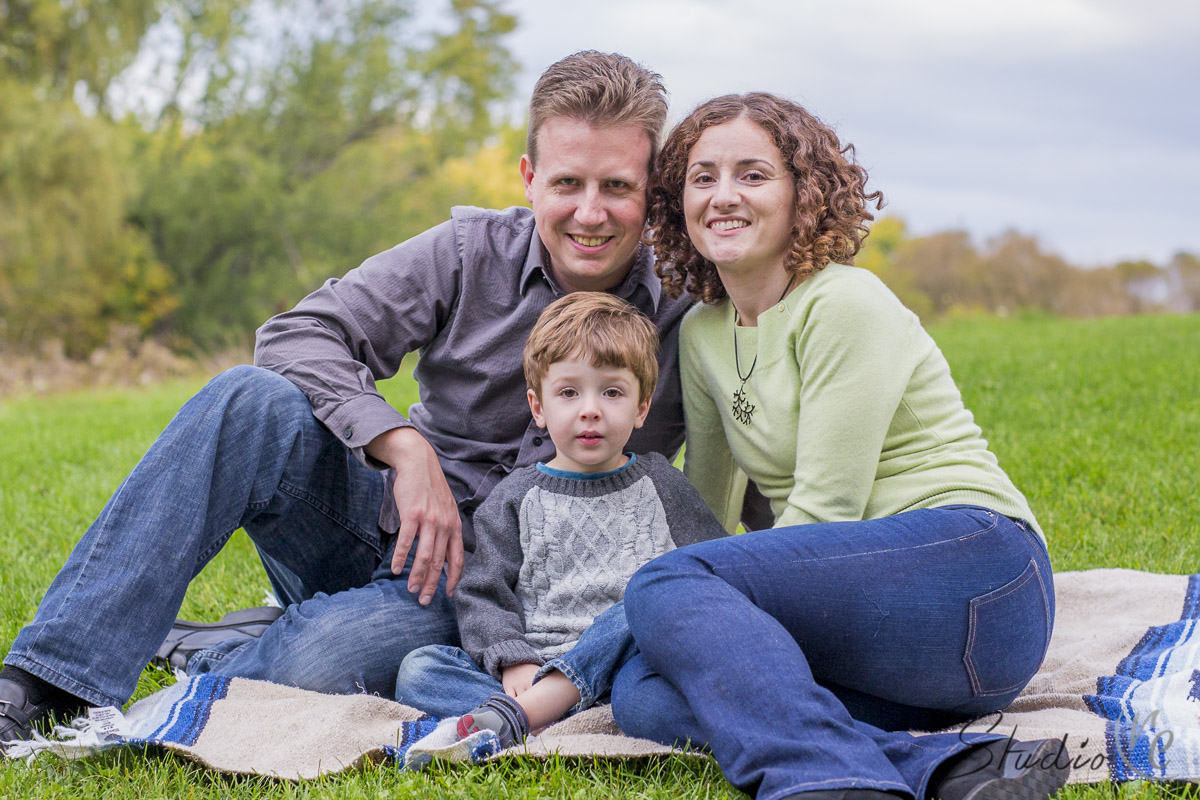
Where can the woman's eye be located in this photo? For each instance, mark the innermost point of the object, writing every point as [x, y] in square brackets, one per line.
[755, 176]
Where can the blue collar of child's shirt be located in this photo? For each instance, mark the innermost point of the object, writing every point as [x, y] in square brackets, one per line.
[584, 476]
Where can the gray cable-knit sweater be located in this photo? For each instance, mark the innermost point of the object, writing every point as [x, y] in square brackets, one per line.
[553, 552]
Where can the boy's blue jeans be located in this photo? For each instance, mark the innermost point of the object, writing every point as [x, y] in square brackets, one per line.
[446, 682]
[800, 655]
[245, 452]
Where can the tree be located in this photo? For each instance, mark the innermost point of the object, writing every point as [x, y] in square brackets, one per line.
[291, 168]
[70, 264]
[61, 45]
[879, 254]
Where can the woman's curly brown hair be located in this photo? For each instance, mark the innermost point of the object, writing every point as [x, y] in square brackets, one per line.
[831, 199]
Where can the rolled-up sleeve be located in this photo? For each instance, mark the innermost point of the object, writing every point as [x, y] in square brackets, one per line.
[337, 342]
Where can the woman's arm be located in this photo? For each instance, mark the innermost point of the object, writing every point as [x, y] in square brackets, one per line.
[855, 354]
[708, 462]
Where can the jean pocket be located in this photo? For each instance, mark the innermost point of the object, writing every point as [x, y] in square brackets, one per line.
[1008, 634]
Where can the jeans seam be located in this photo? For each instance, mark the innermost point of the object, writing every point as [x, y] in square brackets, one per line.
[976, 684]
[338, 519]
[990, 528]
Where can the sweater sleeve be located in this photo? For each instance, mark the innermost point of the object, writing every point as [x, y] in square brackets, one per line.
[688, 518]
[491, 622]
[855, 360]
[707, 461]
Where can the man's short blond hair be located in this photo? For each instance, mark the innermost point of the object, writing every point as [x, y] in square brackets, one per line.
[598, 327]
[602, 89]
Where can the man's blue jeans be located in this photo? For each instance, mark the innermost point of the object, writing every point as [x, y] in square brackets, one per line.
[446, 681]
[794, 653]
[245, 452]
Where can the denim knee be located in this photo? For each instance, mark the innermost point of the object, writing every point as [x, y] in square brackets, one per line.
[645, 597]
[417, 666]
[254, 390]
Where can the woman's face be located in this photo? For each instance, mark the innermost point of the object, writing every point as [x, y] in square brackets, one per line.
[739, 199]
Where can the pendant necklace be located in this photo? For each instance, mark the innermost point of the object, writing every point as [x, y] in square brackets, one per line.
[743, 409]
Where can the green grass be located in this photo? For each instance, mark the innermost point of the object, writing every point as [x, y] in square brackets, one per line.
[1097, 421]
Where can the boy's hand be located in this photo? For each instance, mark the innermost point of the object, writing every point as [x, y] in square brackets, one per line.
[518, 678]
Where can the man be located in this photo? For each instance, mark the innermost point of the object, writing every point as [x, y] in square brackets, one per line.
[354, 508]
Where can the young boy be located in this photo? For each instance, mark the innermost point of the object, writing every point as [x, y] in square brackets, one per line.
[556, 542]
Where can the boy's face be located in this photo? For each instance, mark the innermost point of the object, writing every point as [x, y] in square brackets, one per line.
[590, 413]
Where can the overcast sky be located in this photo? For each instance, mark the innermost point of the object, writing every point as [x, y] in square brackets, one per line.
[1075, 120]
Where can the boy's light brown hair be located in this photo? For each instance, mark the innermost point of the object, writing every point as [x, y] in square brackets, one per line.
[602, 89]
[598, 327]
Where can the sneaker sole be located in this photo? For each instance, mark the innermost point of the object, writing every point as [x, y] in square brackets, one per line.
[245, 616]
[1035, 782]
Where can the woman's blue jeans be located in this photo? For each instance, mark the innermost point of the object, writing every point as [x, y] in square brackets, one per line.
[245, 452]
[799, 655]
[446, 682]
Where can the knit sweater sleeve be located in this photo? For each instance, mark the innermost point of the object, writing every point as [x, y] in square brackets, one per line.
[491, 622]
[688, 518]
[707, 461]
[854, 353]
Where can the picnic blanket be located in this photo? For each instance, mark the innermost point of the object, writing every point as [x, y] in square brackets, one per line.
[1120, 687]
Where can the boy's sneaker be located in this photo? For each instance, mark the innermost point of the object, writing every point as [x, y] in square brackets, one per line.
[501, 715]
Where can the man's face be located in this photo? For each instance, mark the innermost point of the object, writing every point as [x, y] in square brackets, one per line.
[588, 192]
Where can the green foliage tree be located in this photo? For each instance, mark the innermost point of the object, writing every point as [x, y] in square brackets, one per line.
[292, 168]
[70, 264]
[61, 45]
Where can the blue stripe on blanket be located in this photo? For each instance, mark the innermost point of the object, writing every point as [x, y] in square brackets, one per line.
[1152, 704]
[410, 732]
[189, 714]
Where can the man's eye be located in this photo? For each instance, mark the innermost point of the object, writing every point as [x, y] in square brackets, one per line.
[568, 181]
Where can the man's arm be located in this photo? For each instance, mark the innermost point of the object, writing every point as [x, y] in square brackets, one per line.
[428, 511]
[339, 340]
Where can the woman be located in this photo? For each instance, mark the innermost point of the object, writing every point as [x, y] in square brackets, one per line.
[906, 583]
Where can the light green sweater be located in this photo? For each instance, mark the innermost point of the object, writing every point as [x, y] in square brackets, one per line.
[856, 415]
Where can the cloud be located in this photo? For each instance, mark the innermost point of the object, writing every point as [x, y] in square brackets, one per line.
[1072, 119]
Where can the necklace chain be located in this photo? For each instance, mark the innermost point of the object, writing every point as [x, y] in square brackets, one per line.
[743, 409]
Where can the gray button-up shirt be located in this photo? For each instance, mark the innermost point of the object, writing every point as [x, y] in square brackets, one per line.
[465, 294]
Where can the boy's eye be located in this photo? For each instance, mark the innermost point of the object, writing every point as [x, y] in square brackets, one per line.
[568, 393]
[613, 393]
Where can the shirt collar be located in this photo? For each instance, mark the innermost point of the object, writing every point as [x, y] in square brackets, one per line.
[641, 274]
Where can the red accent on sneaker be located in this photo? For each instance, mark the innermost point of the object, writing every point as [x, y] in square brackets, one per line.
[466, 726]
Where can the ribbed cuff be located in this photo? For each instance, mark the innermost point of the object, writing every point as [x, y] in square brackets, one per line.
[505, 654]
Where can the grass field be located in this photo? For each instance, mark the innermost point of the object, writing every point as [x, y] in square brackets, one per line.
[1097, 421]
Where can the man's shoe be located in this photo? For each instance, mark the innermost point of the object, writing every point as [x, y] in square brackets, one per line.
[187, 637]
[1005, 770]
[19, 713]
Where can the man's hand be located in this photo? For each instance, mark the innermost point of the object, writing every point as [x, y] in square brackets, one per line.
[427, 510]
[518, 678]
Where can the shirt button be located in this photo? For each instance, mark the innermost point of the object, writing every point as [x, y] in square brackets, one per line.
[348, 433]
[537, 441]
